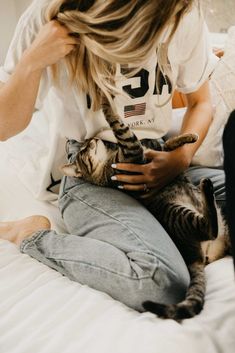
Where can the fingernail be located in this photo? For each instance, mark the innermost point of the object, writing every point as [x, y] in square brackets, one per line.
[120, 187]
[114, 178]
[114, 166]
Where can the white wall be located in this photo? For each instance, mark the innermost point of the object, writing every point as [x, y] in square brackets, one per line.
[21, 5]
[7, 25]
[10, 11]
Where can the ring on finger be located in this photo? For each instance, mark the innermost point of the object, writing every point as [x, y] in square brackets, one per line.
[146, 188]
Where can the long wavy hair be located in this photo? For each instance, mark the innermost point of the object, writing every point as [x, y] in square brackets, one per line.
[111, 32]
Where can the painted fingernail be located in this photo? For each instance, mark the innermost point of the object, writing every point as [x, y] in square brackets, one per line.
[120, 187]
[114, 178]
[114, 166]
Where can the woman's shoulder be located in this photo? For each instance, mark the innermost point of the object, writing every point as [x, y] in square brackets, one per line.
[190, 25]
[190, 31]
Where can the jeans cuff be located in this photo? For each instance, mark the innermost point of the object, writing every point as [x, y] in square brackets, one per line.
[33, 239]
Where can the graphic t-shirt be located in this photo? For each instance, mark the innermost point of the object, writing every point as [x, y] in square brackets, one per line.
[63, 113]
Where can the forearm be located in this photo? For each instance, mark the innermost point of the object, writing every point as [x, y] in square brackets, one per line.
[196, 120]
[18, 95]
[17, 99]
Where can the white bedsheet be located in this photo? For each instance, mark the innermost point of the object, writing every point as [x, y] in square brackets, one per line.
[44, 312]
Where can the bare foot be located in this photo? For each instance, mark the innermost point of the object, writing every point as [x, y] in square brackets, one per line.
[17, 231]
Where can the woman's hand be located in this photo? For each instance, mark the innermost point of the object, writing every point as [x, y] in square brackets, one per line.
[52, 43]
[161, 169]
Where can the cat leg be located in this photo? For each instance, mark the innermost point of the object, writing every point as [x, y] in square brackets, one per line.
[178, 141]
[186, 226]
[131, 149]
[209, 207]
[194, 300]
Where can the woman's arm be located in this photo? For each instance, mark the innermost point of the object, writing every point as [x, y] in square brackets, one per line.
[17, 100]
[197, 119]
[165, 166]
[19, 93]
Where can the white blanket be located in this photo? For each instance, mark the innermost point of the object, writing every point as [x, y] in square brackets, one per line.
[43, 312]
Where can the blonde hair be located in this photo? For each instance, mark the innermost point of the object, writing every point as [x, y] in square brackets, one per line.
[112, 32]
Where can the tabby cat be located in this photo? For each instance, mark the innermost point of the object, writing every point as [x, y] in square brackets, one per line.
[189, 214]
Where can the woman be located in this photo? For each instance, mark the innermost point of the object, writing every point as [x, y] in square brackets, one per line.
[147, 48]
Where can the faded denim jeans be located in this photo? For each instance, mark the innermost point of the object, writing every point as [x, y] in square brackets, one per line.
[115, 245]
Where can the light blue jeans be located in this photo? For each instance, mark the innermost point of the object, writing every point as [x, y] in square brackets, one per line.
[115, 245]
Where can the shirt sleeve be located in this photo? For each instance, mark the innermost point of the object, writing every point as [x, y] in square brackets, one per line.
[26, 30]
[192, 52]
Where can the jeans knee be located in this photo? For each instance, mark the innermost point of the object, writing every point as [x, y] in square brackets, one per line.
[172, 283]
[165, 286]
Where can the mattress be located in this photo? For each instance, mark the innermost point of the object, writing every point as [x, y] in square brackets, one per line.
[43, 312]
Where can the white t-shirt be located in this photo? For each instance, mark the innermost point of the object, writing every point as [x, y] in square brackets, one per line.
[62, 113]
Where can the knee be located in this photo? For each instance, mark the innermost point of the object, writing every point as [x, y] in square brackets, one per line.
[165, 286]
[172, 284]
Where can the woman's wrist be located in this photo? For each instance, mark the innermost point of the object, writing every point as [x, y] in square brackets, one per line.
[183, 157]
[30, 64]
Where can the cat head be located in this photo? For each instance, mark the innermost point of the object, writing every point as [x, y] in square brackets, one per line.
[89, 162]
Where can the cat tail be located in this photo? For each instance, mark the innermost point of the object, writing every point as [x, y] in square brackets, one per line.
[193, 302]
[210, 211]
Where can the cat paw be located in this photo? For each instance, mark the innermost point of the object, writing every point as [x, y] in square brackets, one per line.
[207, 186]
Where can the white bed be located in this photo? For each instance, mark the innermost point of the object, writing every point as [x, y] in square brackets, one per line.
[44, 312]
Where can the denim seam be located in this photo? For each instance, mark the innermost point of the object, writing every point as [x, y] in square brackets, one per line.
[117, 220]
[61, 209]
[38, 235]
[68, 193]
[149, 276]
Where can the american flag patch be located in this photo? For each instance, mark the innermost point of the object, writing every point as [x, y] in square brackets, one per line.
[133, 110]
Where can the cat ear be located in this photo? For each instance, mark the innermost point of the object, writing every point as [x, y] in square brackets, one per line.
[71, 170]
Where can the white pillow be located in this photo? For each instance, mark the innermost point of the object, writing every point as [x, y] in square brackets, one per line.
[222, 84]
